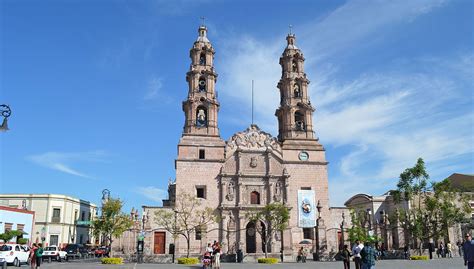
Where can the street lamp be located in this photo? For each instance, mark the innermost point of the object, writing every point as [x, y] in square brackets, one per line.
[342, 230]
[319, 207]
[6, 112]
[174, 232]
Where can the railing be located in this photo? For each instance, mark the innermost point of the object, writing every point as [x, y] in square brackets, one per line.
[56, 219]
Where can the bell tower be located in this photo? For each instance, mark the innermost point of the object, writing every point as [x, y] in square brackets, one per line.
[295, 114]
[201, 106]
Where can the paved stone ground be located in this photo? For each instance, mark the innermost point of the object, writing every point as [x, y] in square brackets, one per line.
[387, 264]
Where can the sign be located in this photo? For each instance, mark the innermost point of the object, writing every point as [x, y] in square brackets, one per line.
[83, 222]
[306, 209]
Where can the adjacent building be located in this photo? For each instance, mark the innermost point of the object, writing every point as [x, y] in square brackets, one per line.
[59, 219]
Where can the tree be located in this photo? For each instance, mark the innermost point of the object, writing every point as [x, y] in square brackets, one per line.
[112, 223]
[359, 231]
[9, 235]
[275, 218]
[187, 217]
[432, 208]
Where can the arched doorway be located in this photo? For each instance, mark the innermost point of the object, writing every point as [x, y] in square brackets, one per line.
[251, 238]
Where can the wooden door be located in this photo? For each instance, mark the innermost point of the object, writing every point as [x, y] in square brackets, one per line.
[159, 243]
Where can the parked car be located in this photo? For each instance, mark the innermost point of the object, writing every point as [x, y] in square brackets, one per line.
[54, 253]
[101, 252]
[13, 254]
[75, 251]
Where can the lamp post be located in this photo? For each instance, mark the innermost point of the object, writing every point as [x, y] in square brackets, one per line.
[174, 232]
[319, 208]
[342, 230]
[369, 220]
[6, 112]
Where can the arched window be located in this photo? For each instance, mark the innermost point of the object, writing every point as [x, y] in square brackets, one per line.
[299, 121]
[296, 90]
[202, 59]
[255, 198]
[294, 66]
[202, 84]
[201, 116]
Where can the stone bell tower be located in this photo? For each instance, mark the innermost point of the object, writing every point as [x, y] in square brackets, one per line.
[201, 106]
[295, 114]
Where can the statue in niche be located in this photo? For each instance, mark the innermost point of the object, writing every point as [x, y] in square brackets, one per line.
[277, 195]
[297, 90]
[231, 222]
[253, 162]
[230, 191]
[201, 118]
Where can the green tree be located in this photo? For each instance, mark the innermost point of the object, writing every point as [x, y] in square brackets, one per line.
[432, 209]
[112, 223]
[359, 230]
[275, 217]
[187, 217]
[9, 235]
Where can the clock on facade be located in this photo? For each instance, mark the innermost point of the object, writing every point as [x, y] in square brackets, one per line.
[303, 156]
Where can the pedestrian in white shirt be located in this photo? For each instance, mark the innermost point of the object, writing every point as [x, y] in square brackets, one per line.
[356, 249]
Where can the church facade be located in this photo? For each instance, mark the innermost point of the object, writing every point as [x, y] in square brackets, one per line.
[252, 168]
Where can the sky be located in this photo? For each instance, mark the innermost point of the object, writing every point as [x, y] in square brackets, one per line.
[96, 87]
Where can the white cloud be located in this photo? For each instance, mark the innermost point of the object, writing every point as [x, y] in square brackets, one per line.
[387, 119]
[62, 161]
[153, 89]
[152, 193]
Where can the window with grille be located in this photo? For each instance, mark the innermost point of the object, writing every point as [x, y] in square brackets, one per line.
[201, 192]
[254, 198]
[56, 215]
[307, 233]
[202, 154]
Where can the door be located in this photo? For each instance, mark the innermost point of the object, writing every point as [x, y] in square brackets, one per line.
[250, 238]
[159, 243]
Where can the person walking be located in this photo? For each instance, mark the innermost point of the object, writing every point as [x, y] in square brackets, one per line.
[368, 255]
[468, 250]
[356, 249]
[217, 256]
[32, 256]
[346, 257]
[459, 245]
[39, 255]
[449, 250]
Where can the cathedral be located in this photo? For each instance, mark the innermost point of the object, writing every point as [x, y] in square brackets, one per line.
[252, 168]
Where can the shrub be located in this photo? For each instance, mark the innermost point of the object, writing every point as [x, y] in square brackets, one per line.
[22, 241]
[111, 260]
[188, 260]
[268, 260]
[419, 258]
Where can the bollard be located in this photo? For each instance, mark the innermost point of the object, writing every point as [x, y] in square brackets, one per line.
[4, 265]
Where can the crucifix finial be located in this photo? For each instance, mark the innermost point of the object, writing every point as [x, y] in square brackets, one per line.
[291, 27]
[203, 21]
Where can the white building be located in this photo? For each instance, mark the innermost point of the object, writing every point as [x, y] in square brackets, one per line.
[59, 219]
[16, 219]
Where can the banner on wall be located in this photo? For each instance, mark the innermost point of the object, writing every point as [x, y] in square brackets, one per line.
[306, 209]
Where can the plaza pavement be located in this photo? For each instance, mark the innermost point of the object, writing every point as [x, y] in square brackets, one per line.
[453, 263]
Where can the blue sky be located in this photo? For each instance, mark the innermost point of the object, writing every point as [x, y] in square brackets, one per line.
[96, 88]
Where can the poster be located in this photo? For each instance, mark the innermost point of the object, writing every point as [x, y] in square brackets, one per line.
[306, 209]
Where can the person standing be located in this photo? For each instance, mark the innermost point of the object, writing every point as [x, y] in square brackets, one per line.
[346, 257]
[368, 255]
[356, 249]
[430, 249]
[32, 256]
[39, 255]
[217, 256]
[468, 250]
